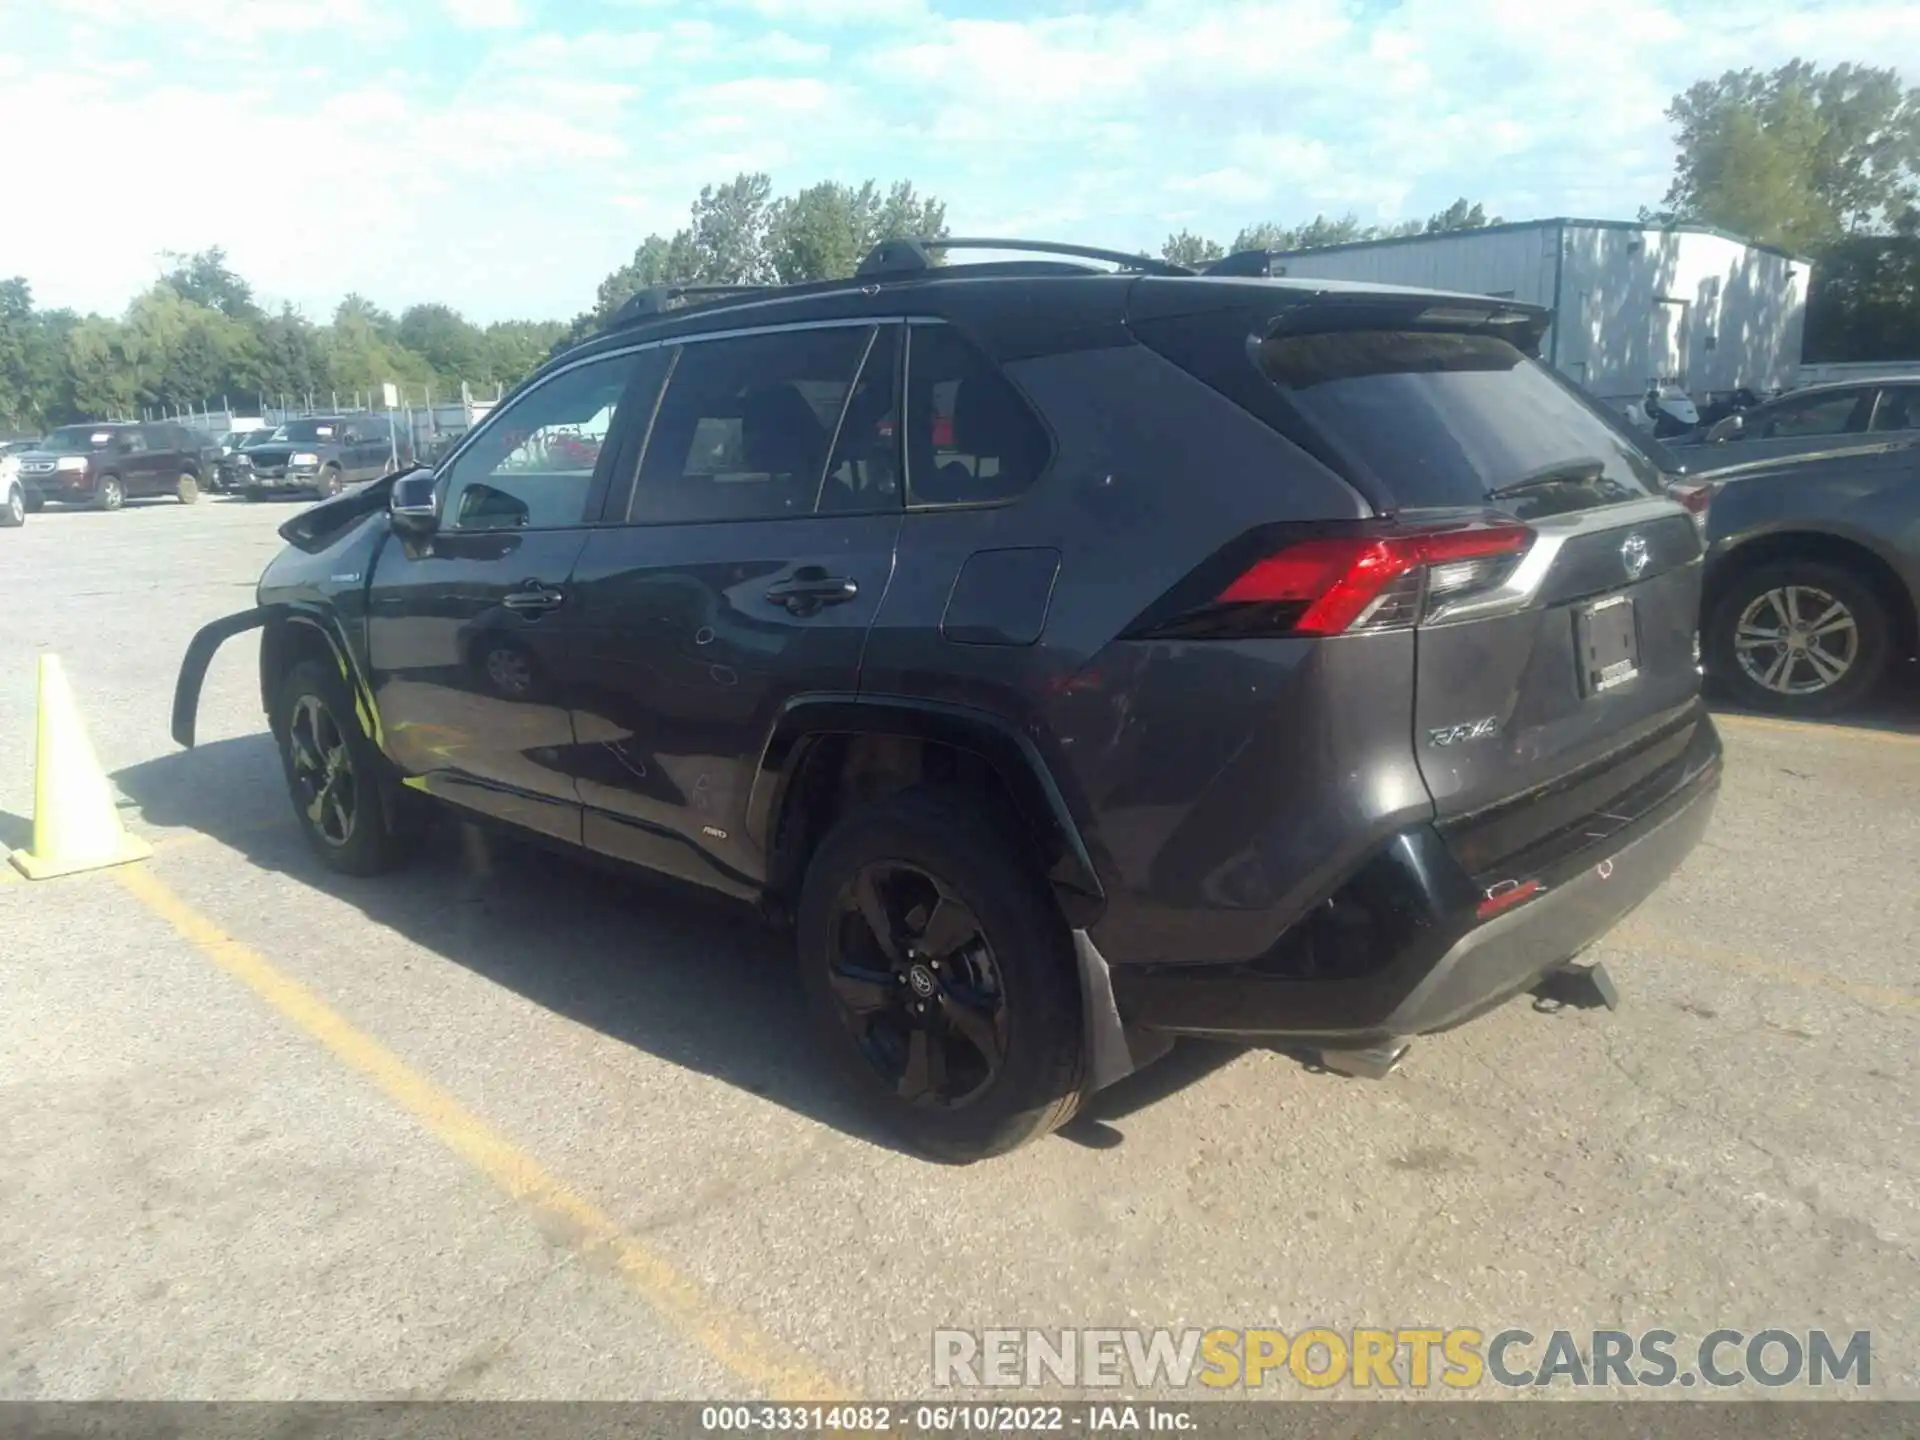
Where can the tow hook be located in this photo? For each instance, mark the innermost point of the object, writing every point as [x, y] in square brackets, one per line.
[1579, 987]
[1375, 1062]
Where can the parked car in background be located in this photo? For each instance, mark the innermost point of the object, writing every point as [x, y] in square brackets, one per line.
[228, 471]
[1073, 672]
[318, 455]
[1813, 576]
[13, 493]
[1809, 421]
[105, 465]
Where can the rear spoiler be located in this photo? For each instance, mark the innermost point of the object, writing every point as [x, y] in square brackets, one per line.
[1280, 305]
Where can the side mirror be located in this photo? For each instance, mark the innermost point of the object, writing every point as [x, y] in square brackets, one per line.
[1725, 430]
[414, 503]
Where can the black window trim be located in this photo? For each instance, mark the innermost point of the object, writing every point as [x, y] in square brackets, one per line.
[617, 491]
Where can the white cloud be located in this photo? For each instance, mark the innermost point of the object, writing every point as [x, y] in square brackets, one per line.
[523, 166]
[487, 14]
[848, 13]
[238, 18]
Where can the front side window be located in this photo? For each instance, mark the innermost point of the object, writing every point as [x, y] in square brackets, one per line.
[744, 429]
[970, 436]
[532, 467]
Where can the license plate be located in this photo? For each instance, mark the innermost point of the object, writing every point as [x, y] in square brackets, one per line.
[1609, 645]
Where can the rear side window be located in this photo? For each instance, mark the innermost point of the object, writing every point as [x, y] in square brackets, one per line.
[1444, 419]
[970, 437]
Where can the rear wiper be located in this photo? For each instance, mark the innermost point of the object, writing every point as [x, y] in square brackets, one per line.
[1561, 472]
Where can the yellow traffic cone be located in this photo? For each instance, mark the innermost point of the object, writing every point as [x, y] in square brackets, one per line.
[75, 824]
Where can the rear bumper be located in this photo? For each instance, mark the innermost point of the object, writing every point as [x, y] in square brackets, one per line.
[1447, 965]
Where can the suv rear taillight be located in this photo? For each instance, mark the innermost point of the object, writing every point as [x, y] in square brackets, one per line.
[1697, 497]
[1352, 584]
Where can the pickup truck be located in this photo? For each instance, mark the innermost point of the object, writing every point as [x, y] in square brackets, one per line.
[318, 455]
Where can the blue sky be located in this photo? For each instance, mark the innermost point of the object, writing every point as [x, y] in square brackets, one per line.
[503, 155]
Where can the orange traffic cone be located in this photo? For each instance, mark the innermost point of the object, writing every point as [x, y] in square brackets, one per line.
[75, 823]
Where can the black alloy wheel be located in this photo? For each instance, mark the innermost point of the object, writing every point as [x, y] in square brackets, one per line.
[356, 818]
[916, 985]
[326, 788]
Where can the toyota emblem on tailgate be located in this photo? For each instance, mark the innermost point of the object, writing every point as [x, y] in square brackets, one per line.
[1633, 554]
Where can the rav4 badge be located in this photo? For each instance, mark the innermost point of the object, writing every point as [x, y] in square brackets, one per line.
[1472, 730]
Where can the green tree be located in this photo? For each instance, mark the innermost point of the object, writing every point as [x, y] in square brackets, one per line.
[455, 348]
[516, 347]
[1321, 231]
[1796, 156]
[205, 279]
[19, 404]
[729, 231]
[657, 261]
[824, 231]
[1268, 235]
[1187, 248]
[289, 358]
[1462, 214]
[104, 386]
[357, 311]
[363, 350]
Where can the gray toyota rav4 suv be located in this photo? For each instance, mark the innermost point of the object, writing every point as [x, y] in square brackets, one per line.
[1075, 657]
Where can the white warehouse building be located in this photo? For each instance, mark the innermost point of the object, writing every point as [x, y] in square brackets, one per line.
[1632, 304]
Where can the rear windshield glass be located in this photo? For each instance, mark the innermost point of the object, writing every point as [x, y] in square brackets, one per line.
[1445, 419]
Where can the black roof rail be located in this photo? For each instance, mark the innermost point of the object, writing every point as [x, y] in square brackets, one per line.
[658, 299]
[1251, 263]
[909, 256]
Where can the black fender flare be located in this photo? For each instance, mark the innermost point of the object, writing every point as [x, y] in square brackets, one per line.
[1014, 756]
[327, 627]
[193, 667]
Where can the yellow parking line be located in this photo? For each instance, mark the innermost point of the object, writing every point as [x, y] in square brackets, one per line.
[1640, 934]
[736, 1343]
[1811, 729]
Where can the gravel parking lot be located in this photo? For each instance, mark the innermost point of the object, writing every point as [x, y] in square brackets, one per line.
[506, 1127]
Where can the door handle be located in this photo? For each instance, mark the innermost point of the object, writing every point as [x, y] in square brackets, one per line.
[533, 598]
[811, 588]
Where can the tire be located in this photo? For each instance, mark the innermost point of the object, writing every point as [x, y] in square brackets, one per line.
[36, 503]
[1017, 973]
[329, 485]
[1746, 666]
[336, 777]
[109, 494]
[13, 514]
[187, 488]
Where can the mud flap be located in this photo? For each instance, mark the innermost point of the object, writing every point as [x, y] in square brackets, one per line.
[1577, 987]
[1112, 1052]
